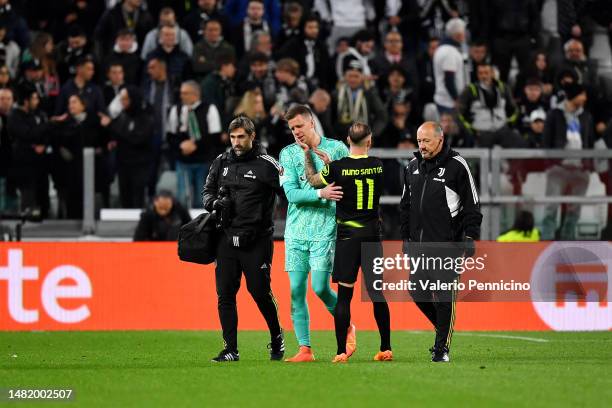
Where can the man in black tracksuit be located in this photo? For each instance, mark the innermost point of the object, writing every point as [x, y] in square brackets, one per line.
[440, 207]
[241, 188]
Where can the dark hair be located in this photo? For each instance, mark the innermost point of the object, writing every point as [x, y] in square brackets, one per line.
[242, 121]
[125, 32]
[257, 56]
[523, 222]
[81, 99]
[296, 110]
[358, 132]
[163, 193]
[136, 100]
[478, 42]
[84, 60]
[24, 92]
[288, 65]
[224, 58]
[211, 20]
[311, 17]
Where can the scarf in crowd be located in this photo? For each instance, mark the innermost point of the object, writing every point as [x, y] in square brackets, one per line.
[351, 108]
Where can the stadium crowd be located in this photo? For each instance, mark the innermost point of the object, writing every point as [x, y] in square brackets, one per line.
[152, 85]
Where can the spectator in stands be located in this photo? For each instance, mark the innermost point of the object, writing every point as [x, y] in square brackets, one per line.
[69, 51]
[125, 14]
[576, 60]
[131, 134]
[82, 85]
[9, 52]
[362, 49]
[238, 11]
[7, 189]
[167, 17]
[399, 127]
[260, 75]
[254, 21]
[396, 89]
[345, 17]
[392, 56]
[514, 29]
[72, 132]
[195, 20]
[538, 68]
[218, 88]
[29, 135]
[80, 13]
[478, 54]
[5, 78]
[565, 77]
[115, 82]
[449, 73]
[162, 220]
[42, 51]
[353, 102]
[125, 52]
[292, 22]
[532, 98]
[569, 127]
[32, 73]
[534, 136]
[320, 104]
[310, 52]
[178, 62]
[16, 27]
[434, 14]
[523, 230]
[427, 80]
[194, 128]
[455, 134]
[291, 88]
[252, 105]
[262, 42]
[160, 95]
[208, 49]
[487, 110]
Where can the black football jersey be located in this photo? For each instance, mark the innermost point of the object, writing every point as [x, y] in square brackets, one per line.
[361, 179]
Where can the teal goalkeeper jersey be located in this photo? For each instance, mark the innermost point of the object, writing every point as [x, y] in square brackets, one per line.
[309, 217]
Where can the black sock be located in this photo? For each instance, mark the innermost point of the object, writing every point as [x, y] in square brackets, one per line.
[383, 320]
[342, 316]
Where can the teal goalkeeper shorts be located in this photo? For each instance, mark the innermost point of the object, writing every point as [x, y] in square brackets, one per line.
[304, 256]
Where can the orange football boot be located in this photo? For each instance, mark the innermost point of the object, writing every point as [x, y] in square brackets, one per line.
[304, 355]
[340, 358]
[386, 355]
[351, 340]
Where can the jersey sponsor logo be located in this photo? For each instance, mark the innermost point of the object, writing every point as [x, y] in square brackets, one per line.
[325, 170]
[225, 170]
[439, 179]
[249, 174]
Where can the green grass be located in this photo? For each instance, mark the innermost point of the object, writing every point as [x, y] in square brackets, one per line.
[173, 369]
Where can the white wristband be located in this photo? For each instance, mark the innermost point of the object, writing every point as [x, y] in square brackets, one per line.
[319, 193]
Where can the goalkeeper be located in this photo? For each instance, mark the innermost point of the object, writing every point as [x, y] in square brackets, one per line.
[310, 230]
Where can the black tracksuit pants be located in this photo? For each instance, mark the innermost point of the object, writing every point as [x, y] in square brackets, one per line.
[255, 262]
[438, 305]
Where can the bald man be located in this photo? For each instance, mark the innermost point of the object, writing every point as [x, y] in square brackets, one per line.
[440, 217]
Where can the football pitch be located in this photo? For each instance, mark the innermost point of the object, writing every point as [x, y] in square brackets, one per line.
[173, 369]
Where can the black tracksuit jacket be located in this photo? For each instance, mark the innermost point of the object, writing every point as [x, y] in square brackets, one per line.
[439, 201]
[253, 182]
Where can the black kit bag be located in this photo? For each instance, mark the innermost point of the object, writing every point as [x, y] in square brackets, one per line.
[197, 240]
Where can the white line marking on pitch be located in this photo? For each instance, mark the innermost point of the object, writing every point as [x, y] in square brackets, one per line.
[505, 336]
